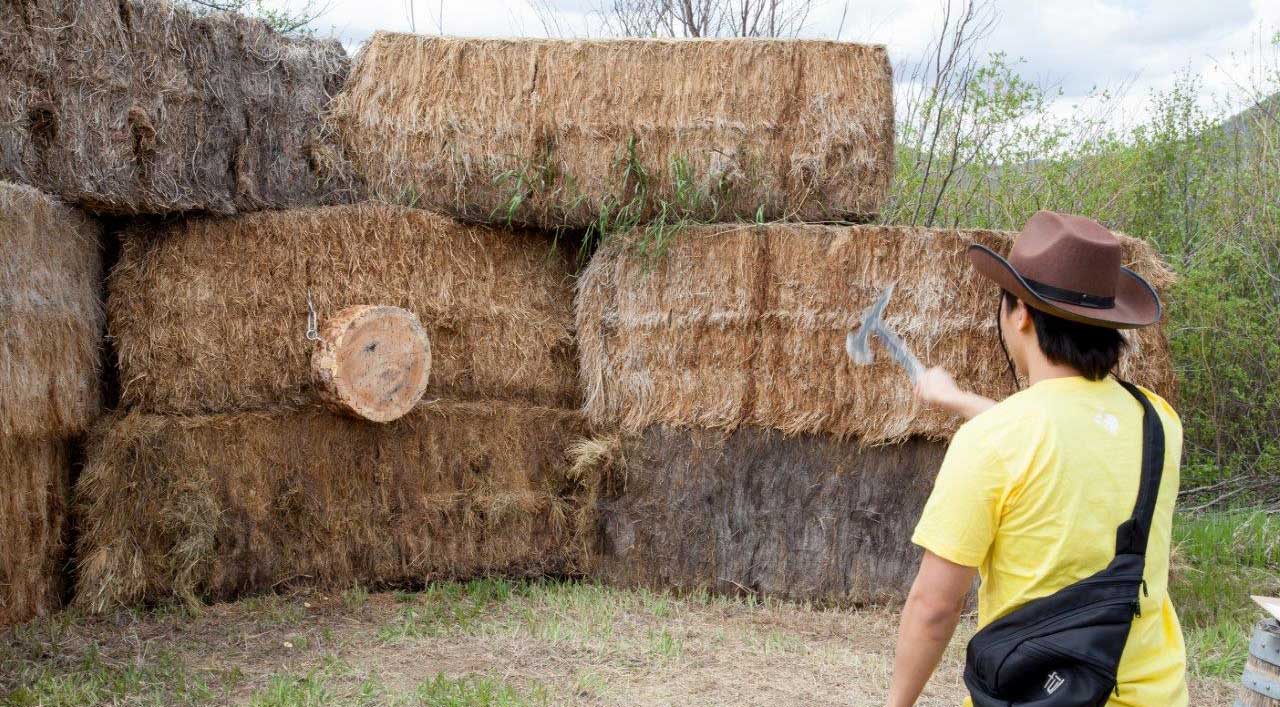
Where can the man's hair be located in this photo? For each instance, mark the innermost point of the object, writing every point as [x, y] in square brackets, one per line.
[1091, 350]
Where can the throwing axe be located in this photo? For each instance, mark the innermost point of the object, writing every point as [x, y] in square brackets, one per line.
[858, 344]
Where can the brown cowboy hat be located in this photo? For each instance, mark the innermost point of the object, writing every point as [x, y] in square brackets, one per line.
[1069, 266]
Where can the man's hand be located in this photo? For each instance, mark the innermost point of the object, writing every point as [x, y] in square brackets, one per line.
[936, 388]
[929, 618]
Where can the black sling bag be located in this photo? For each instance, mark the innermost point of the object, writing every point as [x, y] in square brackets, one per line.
[1063, 649]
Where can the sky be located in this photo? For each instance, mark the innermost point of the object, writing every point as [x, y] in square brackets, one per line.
[1070, 47]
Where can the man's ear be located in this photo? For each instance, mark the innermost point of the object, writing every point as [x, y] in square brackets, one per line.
[1022, 316]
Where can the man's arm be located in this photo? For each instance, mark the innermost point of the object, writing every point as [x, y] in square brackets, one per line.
[928, 621]
[936, 388]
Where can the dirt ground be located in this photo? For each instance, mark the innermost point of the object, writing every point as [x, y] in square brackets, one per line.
[482, 643]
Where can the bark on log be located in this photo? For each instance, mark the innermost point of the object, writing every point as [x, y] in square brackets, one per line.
[372, 361]
[751, 511]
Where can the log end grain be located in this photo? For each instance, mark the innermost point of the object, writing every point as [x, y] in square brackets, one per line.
[372, 362]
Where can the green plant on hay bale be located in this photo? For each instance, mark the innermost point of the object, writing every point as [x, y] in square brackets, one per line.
[211, 507]
[745, 325]
[210, 315]
[139, 106]
[560, 133]
[639, 206]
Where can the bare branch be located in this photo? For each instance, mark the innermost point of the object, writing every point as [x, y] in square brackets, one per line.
[691, 18]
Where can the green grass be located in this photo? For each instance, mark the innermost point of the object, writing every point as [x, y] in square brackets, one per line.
[275, 610]
[160, 680]
[355, 597]
[475, 691]
[74, 660]
[663, 644]
[325, 687]
[445, 608]
[651, 207]
[1221, 559]
[551, 611]
[294, 691]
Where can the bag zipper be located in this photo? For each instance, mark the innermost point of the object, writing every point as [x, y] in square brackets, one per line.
[1046, 621]
[1068, 653]
[1027, 629]
[1107, 579]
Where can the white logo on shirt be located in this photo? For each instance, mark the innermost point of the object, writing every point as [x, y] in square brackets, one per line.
[1054, 682]
[1108, 422]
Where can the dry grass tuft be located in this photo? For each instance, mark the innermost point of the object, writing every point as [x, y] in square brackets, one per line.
[593, 456]
[34, 475]
[137, 106]
[50, 316]
[745, 325]
[210, 315]
[216, 506]
[574, 133]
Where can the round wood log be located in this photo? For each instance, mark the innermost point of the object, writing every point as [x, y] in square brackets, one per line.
[372, 362]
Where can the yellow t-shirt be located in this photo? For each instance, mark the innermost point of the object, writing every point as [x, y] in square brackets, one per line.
[1031, 493]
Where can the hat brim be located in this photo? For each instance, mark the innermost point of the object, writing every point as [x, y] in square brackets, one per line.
[1136, 302]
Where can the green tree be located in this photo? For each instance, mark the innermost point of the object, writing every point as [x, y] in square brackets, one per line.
[286, 18]
[980, 148]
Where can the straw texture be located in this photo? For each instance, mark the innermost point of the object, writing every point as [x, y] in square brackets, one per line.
[572, 132]
[33, 513]
[743, 325]
[51, 316]
[217, 506]
[752, 511]
[210, 315]
[135, 106]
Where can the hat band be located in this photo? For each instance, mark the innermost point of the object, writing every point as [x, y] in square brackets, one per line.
[1058, 294]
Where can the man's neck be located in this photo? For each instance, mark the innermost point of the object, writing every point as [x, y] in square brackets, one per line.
[1040, 368]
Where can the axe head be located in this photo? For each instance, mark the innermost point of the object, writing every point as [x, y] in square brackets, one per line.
[858, 343]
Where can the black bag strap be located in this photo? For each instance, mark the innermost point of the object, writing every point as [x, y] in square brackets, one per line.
[1131, 536]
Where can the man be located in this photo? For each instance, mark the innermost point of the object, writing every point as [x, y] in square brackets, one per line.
[1033, 488]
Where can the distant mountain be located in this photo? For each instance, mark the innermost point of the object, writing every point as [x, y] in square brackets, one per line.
[1266, 111]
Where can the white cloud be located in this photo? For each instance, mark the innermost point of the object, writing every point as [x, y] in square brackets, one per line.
[1071, 45]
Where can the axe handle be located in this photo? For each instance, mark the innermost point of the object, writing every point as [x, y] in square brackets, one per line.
[900, 353]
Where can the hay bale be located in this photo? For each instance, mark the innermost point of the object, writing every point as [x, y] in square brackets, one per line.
[210, 315]
[50, 316]
[217, 506]
[575, 132]
[753, 511]
[742, 325]
[34, 475]
[136, 106]
[51, 321]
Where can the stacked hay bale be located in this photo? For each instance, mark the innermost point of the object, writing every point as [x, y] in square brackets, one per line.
[50, 333]
[128, 108]
[714, 377]
[752, 454]
[223, 474]
[742, 450]
[208, 315]
[139, 107]
[573, 133]
[236, 479]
